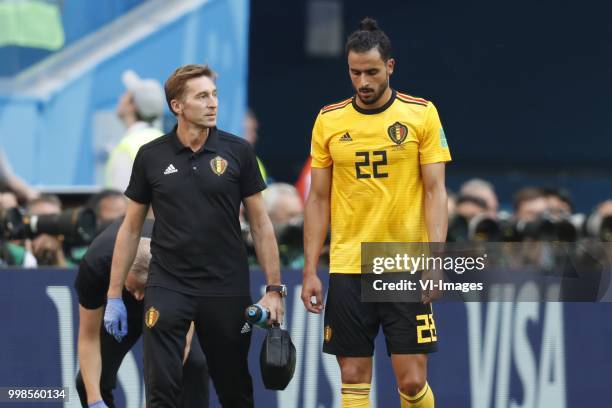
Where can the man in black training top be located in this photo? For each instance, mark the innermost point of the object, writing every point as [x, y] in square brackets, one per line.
[195, 179]
[100, 354]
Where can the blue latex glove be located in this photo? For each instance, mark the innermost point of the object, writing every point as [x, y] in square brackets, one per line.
[98, 404]
[115, 318]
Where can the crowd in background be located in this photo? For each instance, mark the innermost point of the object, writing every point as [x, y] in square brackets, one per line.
[473, 215]
[538, 213]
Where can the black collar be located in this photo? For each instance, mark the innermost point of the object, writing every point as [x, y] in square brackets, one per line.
[211, 143]
[377, 110]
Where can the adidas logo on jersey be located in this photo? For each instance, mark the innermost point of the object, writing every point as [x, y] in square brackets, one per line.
[246, 328]
[346, 138]
[170, 169]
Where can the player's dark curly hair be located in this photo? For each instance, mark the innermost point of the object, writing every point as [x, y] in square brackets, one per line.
[368, 36]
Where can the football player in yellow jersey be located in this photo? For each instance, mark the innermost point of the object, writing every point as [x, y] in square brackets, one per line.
[378, 163]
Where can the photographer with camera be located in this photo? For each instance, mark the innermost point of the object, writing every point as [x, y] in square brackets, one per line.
[108, 205]
[482, 190]
[46, 248]
[544, 214]
[468, 206]
[468, 212]
[44, 230]
[529, 203]
[559, 202]
[474, 214]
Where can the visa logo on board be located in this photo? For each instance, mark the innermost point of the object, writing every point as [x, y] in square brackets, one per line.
[499, 342]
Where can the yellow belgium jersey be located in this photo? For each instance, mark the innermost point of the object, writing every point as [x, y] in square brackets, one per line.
[377, 190]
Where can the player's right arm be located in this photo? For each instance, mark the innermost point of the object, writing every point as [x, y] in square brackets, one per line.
[316, 221]
[128, 237]
[316, 215]
[139, 194]
[126, 246]
[90, 359]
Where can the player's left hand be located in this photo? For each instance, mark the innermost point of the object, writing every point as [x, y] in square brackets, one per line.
[274, 303]
[115, 318]
[429, 295]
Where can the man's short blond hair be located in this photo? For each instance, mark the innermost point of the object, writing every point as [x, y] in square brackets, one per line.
[140, 267]
[177, 82]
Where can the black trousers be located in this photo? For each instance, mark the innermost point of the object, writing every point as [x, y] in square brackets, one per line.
[220, 326]
[194, 389]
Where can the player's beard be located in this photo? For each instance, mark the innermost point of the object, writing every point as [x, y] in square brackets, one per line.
[376, 94]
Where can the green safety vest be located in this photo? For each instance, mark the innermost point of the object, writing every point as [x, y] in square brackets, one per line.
[130, 145]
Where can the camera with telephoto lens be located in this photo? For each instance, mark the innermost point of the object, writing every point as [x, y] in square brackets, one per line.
[599, 227]
[483, 228]
[547, 228]
[77, 226]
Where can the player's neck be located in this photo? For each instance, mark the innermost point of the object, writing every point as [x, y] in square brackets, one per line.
[191, 136]
[382, 101]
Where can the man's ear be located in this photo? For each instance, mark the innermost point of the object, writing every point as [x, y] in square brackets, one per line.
[176, 105]
[390, 65]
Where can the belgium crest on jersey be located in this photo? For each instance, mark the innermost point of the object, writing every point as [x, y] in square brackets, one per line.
[327, 333]
[151, 317]
[218, 165]
[398, 133]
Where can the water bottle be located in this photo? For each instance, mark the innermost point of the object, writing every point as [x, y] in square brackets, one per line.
[257, 314]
